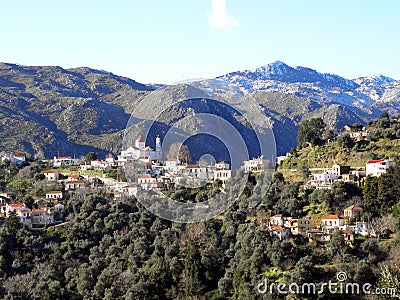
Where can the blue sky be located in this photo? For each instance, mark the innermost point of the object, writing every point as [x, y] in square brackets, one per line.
[168, 41]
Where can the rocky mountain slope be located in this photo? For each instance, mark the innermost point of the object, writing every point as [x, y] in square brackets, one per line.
[49, 110]
[362, 92]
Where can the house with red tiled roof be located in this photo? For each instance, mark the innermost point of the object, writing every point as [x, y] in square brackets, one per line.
[131, 189]
[19, 209]
[42, 217]
[51, 175]
[276, 220]
[280, 232]
[171, 165]
[331, 222]
[195, 171]
[17, 157]
[353, 212]
[14, 207]
[73, 184]
[74, 177]
[25, 215]
[148, 182]
[377, 167]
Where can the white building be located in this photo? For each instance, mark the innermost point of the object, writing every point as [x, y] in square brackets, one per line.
[63, 161]
[132, 189]
[101, 164]
[17, 157]
[340, 170]
[196, 171]
[110, 160]
[281, 158]
[14, 207]
[322, 180]
[171, 165]
[20, 210]
[54, 195]
[331, 222]
[86, 167]
[254, 165]
[362, 228]
[276, 220]
[325, 177]
[148, 182]
[378, 167]
[51, 175]
[223, 175]
[355, 131]
[73, 184]
[141, 150]
[42, 217]
[299, 225]
[222, 166]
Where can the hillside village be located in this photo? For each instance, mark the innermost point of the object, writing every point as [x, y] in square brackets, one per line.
[71, 175]
[200, 150]
[332, 204]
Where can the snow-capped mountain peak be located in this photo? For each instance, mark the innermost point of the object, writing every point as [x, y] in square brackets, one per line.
[362, 92]
[373, 80]
[277, 68]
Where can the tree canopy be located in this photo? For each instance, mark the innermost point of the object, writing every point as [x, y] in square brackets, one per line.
[179, 151]
[311, 131]
[91, 156]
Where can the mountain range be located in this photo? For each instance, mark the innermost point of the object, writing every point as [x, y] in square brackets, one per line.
[47, 111]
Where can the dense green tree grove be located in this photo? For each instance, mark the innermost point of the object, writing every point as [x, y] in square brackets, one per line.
[382, 194]
[311, 131]
[116, 249]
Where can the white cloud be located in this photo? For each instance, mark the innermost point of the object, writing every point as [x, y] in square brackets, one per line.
[219, 18]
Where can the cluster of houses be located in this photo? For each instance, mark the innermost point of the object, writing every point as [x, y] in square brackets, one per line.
[73, 181]
[355, 131]
[324, 180]
[17, 157]
[349, 225]
[43, 216]
[152, 173]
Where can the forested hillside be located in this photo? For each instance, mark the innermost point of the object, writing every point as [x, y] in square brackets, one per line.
[115, 249]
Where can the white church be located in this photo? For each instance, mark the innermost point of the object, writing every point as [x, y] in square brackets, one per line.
[141, 152]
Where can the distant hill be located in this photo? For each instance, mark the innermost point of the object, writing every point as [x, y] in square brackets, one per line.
[49, 110]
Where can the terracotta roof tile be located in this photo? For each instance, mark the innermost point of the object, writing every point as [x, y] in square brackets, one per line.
[49, 171]
[332, 217]
[373, 161]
